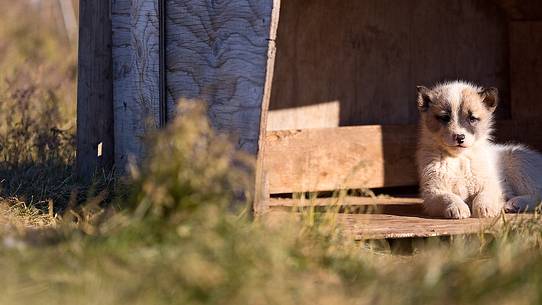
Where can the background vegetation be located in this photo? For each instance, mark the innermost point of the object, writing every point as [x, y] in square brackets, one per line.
[177, 232]
[37, 103]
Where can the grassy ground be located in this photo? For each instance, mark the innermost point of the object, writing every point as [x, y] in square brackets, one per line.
[37, 105]
[177, 232]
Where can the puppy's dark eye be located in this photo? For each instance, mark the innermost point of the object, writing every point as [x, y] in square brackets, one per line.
[444, 118]
[473, 119]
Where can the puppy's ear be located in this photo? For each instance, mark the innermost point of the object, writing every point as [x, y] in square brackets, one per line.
[490, 97]
[424, 98]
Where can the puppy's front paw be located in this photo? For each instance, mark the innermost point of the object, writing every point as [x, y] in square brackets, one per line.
[486, 206]
[485, 211]
[446, 205]
[457, 210]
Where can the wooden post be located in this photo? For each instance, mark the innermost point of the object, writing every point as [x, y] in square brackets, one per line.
[95, 138]
[261, 196]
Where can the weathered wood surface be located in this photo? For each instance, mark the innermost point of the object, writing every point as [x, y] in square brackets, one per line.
[345, 201]
[357, 157]
[95, 89]
[217, 52]
[380, 226]
[136, 74]
[370, 55]
[340, 158]
[526, 69]
[261, 191]
[323, 115]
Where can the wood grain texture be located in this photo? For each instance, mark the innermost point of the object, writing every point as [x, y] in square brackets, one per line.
[340, 158]
[323, 115]
[217, 52]
[95, 89]
[370, 55]
[358, 157]
[526, 69]
[261, 183]
[380, 226]
[345, 201]
[136, 74]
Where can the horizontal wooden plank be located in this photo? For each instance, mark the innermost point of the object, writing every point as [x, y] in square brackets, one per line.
[345, 201]
[339, 158]
[357, 157]
[380, 226]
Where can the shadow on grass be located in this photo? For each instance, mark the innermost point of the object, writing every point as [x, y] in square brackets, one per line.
[51, 184]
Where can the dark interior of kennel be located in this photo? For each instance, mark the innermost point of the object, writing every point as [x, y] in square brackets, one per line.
[366, 58]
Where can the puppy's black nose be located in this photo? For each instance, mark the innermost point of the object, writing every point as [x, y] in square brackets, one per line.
[460, 138]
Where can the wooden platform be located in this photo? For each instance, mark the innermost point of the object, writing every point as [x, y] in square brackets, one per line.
[345, 201]
[379, 226]
[390, 218]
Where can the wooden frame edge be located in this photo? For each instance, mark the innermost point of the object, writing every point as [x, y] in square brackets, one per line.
[261, 191]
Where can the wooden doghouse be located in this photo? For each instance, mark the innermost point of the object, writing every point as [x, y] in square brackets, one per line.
[322, 91]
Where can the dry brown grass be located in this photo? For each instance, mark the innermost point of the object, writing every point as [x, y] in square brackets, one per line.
[37, 105]
[16, 214]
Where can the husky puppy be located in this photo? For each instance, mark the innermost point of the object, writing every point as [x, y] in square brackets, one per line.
[462, 172]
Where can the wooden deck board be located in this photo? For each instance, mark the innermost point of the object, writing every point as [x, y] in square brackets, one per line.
[381, 226]
[345, 201]
[378, 226]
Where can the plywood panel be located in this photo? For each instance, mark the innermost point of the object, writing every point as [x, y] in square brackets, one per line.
[369, 55]
[217, 52]
[357, 157]
[136, 75]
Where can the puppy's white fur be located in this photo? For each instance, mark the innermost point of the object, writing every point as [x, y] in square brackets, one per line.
[476, 177]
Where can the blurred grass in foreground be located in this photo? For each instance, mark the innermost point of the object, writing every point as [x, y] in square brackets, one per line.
[179, 235]
[178, 231]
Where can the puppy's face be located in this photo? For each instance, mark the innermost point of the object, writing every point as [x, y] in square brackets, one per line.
[457, 115]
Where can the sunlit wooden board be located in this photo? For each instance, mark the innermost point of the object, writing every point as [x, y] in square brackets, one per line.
[343, 201]
[381, 226]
